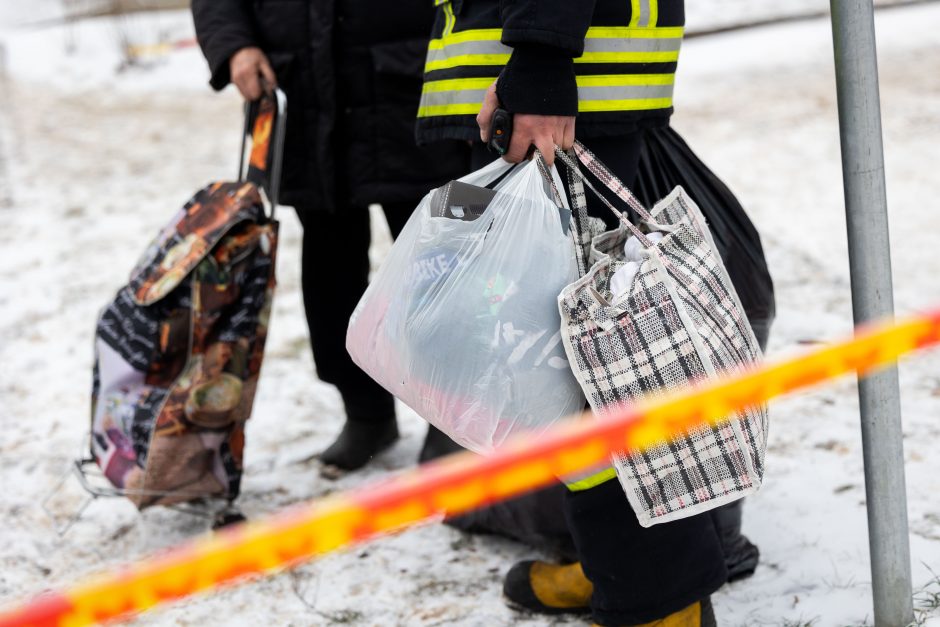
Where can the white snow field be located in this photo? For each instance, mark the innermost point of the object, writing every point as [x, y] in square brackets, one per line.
[93, 162]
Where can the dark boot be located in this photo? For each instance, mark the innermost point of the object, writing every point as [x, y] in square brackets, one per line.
[370, 429]
[699, 614]
[226, 517]
[437, 444]
[741, 556]
[553, 589]
[548, 588]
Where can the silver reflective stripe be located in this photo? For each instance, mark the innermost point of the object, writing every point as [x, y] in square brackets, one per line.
[644, 13]
[625, 92]
[627, 44]
[591, 44]
[450, 97]
[467, 47]
[617, 92]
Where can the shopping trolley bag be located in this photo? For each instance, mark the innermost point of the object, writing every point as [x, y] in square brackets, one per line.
[179, 349]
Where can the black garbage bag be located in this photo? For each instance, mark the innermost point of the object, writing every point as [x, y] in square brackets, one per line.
[666, 161]
[537, 519]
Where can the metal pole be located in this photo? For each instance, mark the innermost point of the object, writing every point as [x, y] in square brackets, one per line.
[853, 33]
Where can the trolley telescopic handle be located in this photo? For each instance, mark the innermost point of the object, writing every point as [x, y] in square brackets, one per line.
[274, 169]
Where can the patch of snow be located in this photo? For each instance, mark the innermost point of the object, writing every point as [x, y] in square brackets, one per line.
[87, 55]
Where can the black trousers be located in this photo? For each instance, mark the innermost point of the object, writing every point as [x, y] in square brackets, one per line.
[639, 574]
[331, 291]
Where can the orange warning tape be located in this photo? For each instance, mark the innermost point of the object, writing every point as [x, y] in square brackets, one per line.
[454, 485]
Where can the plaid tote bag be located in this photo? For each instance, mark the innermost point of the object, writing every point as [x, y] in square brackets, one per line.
[680, 321]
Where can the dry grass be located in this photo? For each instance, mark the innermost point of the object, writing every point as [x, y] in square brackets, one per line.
[927, 601]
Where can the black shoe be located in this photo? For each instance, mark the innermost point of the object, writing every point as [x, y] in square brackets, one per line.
[231, 515]
[359, 442]
[741, 556]
[437, 444]
[742, 560]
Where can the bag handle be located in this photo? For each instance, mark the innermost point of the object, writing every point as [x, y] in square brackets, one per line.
[579, 217]
[549, 180]
[502, 177]
[577, 180]
[596, 167]
[266, 125]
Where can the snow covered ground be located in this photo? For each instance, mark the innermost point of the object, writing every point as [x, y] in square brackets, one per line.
[93, 162]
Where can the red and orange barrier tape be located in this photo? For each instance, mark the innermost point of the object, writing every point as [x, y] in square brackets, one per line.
[454, 485]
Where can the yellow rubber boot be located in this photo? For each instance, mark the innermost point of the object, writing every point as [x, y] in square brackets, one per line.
[548, 588]
[699, 614]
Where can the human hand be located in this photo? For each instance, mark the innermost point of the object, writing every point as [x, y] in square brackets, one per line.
[542, 131]
[248, 68]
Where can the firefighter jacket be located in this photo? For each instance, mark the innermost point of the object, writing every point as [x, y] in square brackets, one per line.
[622, 55]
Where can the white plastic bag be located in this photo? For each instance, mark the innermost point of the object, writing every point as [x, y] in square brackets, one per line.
[461, 322]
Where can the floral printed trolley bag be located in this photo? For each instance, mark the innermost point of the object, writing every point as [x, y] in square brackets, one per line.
[664, 318]
[179, 349]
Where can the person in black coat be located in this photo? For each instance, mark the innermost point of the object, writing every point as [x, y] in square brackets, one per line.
[352, 71]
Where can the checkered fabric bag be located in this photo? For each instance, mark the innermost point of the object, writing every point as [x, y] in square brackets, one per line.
[680, 322]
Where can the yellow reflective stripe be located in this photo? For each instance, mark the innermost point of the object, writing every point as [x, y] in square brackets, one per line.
[450, 109]
[667, 56]
[600, 80]
[480, 34]
[658, 49]
[588, 57]
[634, 13]
[641, 43]
[598, 38]
[590, 84]
[454, 84]
[466, 59]
[449, 19]
[621, 80]
[593, 481]
[629, 32]
[586, 106]
[594, 32]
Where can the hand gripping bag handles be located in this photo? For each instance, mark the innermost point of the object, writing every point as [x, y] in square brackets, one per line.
[680, 321]
[461, 321]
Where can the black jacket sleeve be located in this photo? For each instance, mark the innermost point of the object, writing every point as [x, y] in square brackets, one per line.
[560, 24]
[545, 35]
[223, 27]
